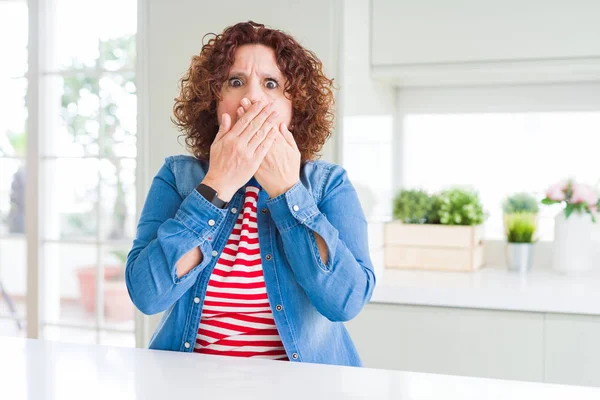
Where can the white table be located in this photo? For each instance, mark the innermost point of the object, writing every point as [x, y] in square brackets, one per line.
[31, 369]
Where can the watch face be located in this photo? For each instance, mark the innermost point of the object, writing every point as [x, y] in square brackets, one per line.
[208, 192]
[211, 195]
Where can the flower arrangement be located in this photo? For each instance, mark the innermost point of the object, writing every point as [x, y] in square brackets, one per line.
[576, 197]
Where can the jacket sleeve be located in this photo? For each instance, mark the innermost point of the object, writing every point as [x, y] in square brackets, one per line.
[340, 288]
[169, 227]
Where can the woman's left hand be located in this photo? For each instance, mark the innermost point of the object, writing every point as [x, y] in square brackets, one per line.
[280, 169]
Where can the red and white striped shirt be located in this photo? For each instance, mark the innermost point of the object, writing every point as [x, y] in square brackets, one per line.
[237, 319]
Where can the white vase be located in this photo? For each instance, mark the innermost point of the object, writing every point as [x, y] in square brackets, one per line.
[573, 243]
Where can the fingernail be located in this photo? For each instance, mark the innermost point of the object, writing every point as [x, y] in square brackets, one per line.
[245, 102]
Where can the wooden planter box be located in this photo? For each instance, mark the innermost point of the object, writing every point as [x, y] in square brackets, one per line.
[433, 247]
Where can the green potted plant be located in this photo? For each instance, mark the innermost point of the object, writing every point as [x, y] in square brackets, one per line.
[459, 206]
[520, 228]
[442, 231]
[412, 206]
[520, 202]
[520, 214]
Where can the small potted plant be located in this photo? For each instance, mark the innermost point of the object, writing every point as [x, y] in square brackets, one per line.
[520, 203]
[443, 231]
[520, 214]
[520, 228]
[412, 206]
[459, 206]
[573, 225]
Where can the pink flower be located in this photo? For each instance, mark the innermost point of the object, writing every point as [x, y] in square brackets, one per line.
[557, 191]
[584, 194]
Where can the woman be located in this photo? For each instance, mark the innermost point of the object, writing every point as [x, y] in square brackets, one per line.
[252, 247]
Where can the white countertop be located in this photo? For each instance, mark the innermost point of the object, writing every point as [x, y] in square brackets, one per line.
[492, 288]
[40, 370]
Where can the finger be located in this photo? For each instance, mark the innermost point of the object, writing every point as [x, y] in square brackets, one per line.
[288, 135]
[243, 122]
[240, 112]
[246, 104]
[263, 121]
[262, 133]
[264, 147]
[224, 127]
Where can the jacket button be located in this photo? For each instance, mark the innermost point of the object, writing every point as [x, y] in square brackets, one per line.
[215, 253]
[196, 300]
[187, 345]
[295, 356]
[279, 307]
[268, 257]
[264, 211]
[211, 222]
[233, 210]
[296, 208]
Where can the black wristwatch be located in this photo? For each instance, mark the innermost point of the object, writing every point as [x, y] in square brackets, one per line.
[211, 195]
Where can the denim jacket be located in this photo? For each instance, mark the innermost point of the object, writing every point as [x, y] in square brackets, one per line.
[310, 300]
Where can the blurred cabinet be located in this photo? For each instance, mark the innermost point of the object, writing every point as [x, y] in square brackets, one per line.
[527, 346]
[572, 349]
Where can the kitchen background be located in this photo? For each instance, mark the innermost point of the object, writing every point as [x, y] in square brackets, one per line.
[498, 97]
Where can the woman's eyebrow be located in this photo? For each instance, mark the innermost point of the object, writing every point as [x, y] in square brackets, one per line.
[262, 75]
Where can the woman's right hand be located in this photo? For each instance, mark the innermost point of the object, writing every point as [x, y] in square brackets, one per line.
[237, 152]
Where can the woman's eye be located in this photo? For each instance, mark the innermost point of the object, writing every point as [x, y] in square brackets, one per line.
[235, 82]
[272, 84]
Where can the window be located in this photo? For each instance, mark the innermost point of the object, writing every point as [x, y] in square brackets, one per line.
[87, 161]
[523, 146]
[367, 157]
[13, 142]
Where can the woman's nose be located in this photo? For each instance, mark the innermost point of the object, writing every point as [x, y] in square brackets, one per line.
[255, 93]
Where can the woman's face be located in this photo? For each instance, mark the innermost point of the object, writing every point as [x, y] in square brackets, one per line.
[254, 75]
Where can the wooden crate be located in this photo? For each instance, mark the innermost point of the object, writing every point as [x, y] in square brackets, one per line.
[433, 247]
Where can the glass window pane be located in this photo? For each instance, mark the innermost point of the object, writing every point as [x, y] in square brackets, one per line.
[85, 31]
[119, 115]
[118, 199]
[13, 119]
[12, 197]
[13, 285]
[70, 284]
[369, 139]
[70, 335]
[69, 190]
[71, 116]
[499, 154]
[118, 52]
[13, 38]
[118, 308]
